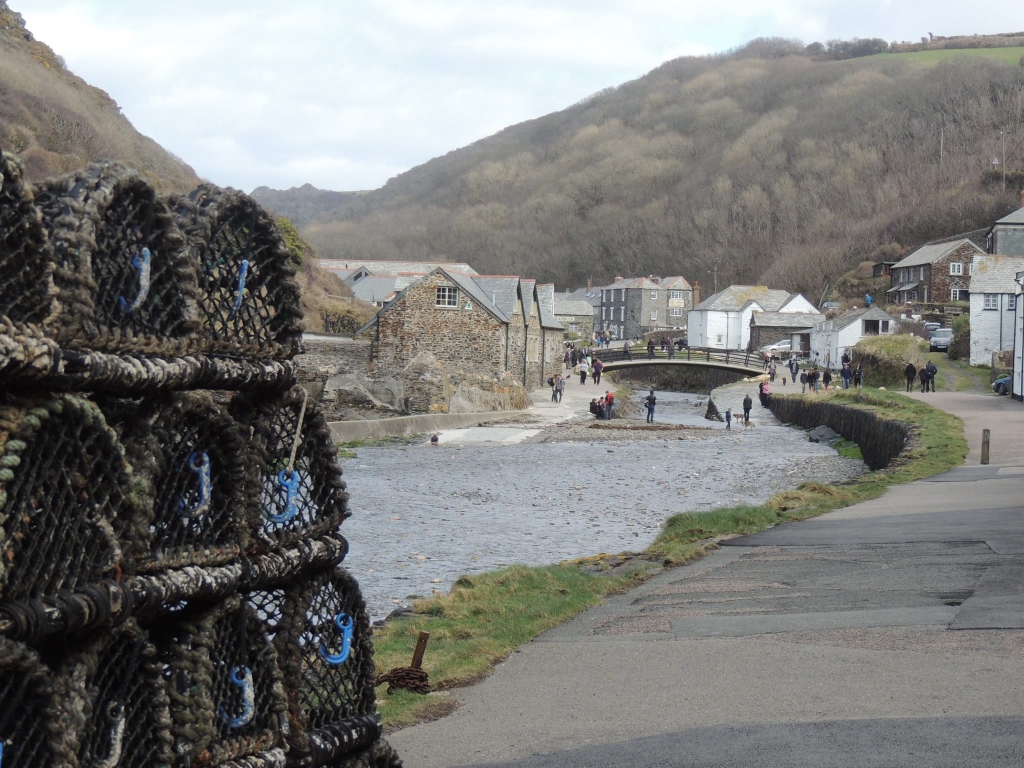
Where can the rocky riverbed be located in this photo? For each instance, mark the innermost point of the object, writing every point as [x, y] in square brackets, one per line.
[423, 515]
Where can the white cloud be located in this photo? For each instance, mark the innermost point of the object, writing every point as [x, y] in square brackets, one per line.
[345, 94]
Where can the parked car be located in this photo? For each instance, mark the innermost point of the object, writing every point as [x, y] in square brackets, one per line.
[1001, 386]
[939, 341]
[778, 347]
[930, 328]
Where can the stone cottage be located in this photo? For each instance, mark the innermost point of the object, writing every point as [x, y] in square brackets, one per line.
[936, 273]
[456, 342]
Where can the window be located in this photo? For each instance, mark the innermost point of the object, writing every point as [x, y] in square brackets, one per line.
[611, 293]
[719, 338]
[906, 276]
[991, 301]
[675, 312]
[1011, 301]
[574, 328]
[602, 312]
[677, 294]
[622, 313]
[912, 296]
[885, 326]
[447, 296]
[959, 294]
[654, 314]
[956, 268]
[920, 273]
[622, 294]
[654, 295]
[622, 331]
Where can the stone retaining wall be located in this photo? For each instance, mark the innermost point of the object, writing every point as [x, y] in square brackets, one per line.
[880, 440]
[677, 378]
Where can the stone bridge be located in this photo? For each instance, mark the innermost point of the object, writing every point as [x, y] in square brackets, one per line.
[747, 363]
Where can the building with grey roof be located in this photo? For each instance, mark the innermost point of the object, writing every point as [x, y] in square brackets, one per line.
[993, 300]
[1006, 237]
[936, 273]
[723, 320]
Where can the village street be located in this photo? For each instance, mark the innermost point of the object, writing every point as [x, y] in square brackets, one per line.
[887, 633]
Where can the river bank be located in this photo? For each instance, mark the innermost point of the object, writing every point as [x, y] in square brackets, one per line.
[551, 485]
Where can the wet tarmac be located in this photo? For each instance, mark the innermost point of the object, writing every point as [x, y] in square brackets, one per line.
[423, 515]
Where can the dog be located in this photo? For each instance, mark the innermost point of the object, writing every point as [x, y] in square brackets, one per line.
[748, 425]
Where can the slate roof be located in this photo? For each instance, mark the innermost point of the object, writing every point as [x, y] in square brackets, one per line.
[479, 298]
[592, 297]
[503, 290]
[867, 313]
[373, 288]
[929, 254]
[996, 274]
[784, 319]
[904, 287]
[566, 306]
[735, 297]
[1017, 217]
[546, 302]
[636, 282]
[393, 267]
[677, 283]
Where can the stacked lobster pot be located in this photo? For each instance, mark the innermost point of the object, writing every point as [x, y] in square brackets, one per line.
[171, 586]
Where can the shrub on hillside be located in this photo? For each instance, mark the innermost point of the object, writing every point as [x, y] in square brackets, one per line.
[884, 358]
[960, 345]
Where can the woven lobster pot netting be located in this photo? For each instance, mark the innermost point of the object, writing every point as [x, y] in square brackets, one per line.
[249, 300]
[223, 681]
[32, 727]
[27, 292]
[125, 278]
[193, 456]
[310, 500]
[116, 702]
[380, 755]
[62, 475]
[326, 656]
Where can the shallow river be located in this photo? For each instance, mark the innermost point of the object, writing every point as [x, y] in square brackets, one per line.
[423, 516]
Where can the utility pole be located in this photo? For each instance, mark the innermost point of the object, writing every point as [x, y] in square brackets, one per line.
[942, 142]
[715, 273]
[1002, 139]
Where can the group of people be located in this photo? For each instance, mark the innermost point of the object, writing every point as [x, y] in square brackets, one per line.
[601, 407]
[582, 361]
[926, 375]
[557, 384]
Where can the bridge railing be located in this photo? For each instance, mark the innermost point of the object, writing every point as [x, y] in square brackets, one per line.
[694, 354]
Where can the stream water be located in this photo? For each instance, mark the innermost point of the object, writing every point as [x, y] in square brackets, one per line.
[422, 516]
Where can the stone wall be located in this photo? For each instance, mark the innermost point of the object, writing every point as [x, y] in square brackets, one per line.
[941, 282]
[535, 377]
[457, 337]
[880, 440]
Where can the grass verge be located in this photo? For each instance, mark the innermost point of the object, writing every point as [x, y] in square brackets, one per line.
[485, 618]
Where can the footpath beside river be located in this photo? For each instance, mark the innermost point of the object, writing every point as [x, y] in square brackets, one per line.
[890, 632]
[547, 486]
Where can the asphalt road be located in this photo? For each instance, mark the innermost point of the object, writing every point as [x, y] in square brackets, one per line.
[890, 633]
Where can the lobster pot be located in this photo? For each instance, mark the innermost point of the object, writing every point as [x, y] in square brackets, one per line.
[27, 293]
[310, 500]
[380, 755]
[223, 680]
[62, 477]
[126, 282]
[193, 456]
[32, 726]
[249, 300]
[327, 660]
[117, 690]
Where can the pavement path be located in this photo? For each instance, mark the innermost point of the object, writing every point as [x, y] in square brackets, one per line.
[889, 633]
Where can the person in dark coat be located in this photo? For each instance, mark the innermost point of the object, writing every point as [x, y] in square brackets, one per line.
[650, 349]
[911, 373]
[649, 402]
[826, 378]
[747, 405]
[932, 371]
[923, 376]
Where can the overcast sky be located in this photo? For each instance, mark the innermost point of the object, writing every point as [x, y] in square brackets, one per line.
[345, 95]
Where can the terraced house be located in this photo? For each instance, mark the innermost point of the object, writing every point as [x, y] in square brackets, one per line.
[936, 273]
[639, 305]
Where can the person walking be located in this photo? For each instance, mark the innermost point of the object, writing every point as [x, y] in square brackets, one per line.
[772, 368]
[794, 369]
[553, 383]
[567, 357]
[846, 375]
[803, 382]
[923, 376]
[584, 369]
[911, 374]
[559, 387]
[932, 371]
[728, 418]
[650, 349]
[649, 402]
[826, 378]
[747, 405]
[858, 377]
[598, 367]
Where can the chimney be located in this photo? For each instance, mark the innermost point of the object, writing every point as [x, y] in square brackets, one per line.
[1022, 198]
[696, 292]
[590, 284]
[618, 278]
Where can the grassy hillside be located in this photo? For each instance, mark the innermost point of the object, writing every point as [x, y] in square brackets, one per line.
[774, 166]
[57, 122]
[1010, 56]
